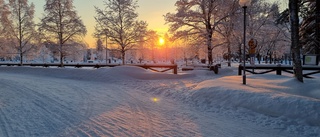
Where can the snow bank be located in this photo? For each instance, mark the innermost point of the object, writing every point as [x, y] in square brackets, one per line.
[143, 74]
[269, 94]
[273, 96]
[101, 74]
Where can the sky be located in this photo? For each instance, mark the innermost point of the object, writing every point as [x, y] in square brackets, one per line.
[151, 11]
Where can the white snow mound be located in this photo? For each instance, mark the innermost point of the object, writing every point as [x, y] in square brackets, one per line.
[101, 74]
[277, 97]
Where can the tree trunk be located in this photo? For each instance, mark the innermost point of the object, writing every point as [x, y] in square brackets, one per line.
[21, 58]
[61, 51]
[61, 56]
[123, 53]
[20, 35]
[295, 45]
[240, 54]
[106, 49]
[270, 58]
[209, 44]
[60, 35]
[210, 59]
[229, 55]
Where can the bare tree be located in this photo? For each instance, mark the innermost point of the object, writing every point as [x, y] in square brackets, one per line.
[226, 28]
[3, 21]
[61, 24]
[119, 21]
[261, 27]
[295, 46]
[17, 20]
[309, 27]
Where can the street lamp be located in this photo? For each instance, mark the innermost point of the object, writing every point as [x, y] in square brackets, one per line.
[244, 4]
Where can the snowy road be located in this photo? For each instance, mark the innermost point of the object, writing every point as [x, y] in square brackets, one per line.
[45, 104]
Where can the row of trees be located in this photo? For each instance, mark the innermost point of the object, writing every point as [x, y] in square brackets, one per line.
[214, 23]
[197, 25]
[61, 29]
[118, 23]
[17, 26]
[60, 26]
[305, 34]
[217, 23]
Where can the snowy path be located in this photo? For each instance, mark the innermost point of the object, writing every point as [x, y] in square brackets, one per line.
[37, 105]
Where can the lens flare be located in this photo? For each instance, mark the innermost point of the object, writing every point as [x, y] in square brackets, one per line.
[155, 99]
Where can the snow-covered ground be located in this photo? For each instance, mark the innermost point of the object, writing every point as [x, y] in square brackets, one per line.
[130, 101]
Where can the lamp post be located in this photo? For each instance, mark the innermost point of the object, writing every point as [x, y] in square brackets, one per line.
[244, 4]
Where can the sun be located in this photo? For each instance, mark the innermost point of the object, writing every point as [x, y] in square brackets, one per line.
[161, 41]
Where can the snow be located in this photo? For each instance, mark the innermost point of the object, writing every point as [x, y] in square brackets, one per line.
[132, 101]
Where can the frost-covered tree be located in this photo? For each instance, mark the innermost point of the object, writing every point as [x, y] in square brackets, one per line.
[119, 21]
[3, 21]
[262, 27]
[309, 30]
[317, 34]
[19, 27]
[4, 12]
[61, 24]
[228, 27]
[199, 18]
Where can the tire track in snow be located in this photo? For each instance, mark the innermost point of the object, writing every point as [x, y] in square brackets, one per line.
[144, 117]
[41, 106]
[3, 120]
[166, 118]
[4, 124]
[53, 113]
[85, 103]
[129, 118]
[6, 114]
[209, 123]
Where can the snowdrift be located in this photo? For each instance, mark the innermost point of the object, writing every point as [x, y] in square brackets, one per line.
[101, 74]
[272, 95]
[280, 97]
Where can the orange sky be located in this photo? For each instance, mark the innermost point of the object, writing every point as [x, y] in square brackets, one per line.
[151, 11]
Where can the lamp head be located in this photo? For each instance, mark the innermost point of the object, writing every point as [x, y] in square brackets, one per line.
[244, 3]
